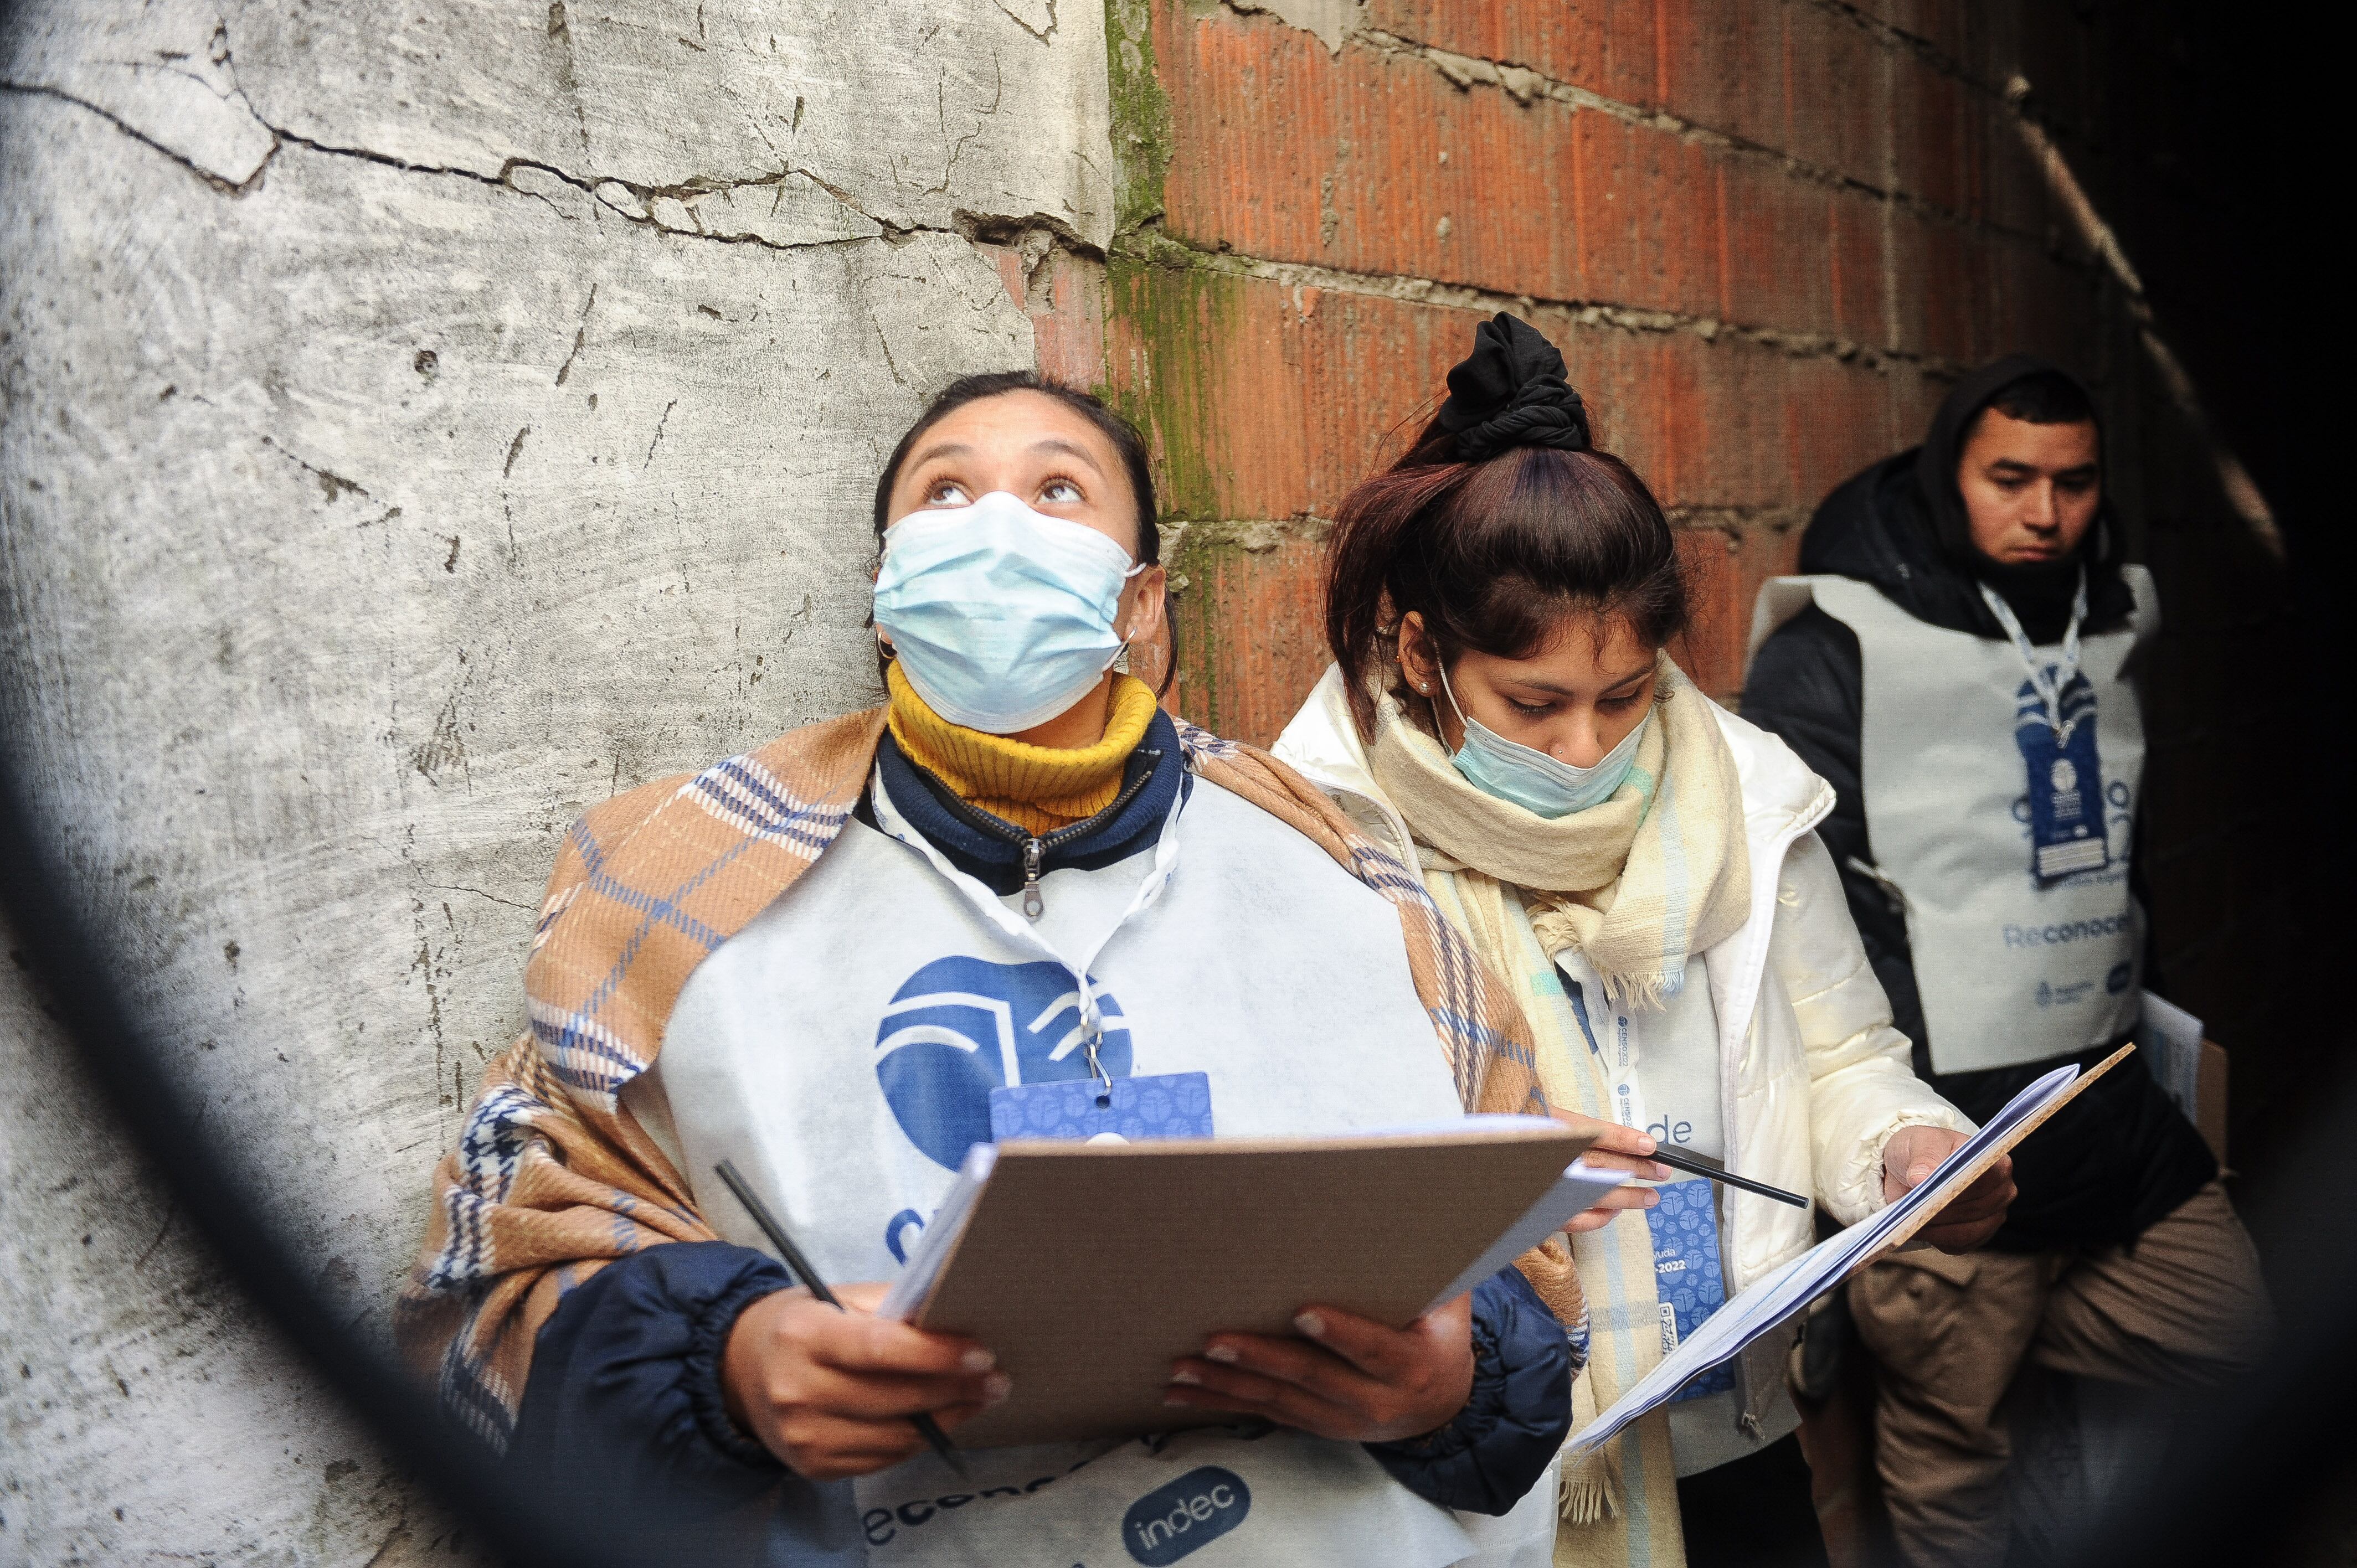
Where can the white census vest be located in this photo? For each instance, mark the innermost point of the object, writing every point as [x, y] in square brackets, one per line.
[1663, 1066]
[2011, 969]
[839, 1050]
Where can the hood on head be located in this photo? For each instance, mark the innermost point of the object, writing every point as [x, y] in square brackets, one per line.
[1903, 526]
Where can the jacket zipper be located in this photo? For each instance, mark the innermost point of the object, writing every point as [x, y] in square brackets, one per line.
[1035, 846]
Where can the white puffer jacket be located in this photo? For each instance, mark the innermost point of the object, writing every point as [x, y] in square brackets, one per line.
[1814, 1078]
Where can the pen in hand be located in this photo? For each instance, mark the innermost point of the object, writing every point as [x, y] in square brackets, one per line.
[801, 1268]
[1695, 1167]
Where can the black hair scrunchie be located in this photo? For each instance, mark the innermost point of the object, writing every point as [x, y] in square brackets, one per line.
[1512, 391]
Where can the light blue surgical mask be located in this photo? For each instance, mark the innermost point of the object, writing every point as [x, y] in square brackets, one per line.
[1532, 780]
[1001, 617]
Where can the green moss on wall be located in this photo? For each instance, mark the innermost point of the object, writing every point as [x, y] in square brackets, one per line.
[1142, 136]
[1168, 324]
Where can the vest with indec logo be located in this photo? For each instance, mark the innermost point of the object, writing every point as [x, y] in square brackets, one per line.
[841, 1049]
[2023, 948]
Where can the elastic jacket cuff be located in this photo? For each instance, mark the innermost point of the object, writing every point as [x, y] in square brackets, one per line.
[701, 1375]
[1515, 1417]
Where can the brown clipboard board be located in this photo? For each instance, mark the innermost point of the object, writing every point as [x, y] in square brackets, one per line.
[1088, 1269]
[1995, 1151]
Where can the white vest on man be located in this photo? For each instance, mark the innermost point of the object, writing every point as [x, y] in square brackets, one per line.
[2012, 965]
[830, 1050]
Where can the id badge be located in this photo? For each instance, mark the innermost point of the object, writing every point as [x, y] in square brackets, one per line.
[1161, 1105]
[1687, 1274]
[2066, 793]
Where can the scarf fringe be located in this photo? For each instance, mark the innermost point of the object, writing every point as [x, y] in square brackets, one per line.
[1642, 992]
[1591, 1490]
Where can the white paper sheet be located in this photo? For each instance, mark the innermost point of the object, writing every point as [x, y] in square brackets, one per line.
[1576, 1192]
[2173, 1037]
[1783, 1291]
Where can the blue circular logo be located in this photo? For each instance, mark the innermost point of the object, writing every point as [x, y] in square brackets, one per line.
[960, 1027]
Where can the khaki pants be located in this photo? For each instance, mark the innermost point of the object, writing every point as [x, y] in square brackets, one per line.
[2182, 1306]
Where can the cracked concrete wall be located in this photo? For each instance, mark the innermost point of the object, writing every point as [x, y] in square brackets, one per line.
[413, 427]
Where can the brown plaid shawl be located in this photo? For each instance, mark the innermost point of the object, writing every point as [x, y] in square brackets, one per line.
[552, 1178]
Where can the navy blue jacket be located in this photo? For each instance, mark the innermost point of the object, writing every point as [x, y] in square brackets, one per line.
[625, 1406]
[625, 1402]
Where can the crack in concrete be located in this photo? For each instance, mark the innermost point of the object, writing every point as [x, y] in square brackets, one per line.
[660, 423]
[941, 116]
[560, 33]
[1027, 27]
[996, 229]
[580, 335]
[227, 187]
[644, 195]
[461, 887]
[333, 486]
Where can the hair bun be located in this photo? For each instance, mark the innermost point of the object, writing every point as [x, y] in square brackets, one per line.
[1513, 389]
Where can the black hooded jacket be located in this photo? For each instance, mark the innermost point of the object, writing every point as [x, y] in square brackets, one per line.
[2121, 1156]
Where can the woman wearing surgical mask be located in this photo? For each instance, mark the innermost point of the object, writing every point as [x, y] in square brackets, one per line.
[1638, 862]
[835, 958]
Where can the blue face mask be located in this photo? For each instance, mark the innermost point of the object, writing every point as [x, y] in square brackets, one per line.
[1000, 617]
[1532, 780]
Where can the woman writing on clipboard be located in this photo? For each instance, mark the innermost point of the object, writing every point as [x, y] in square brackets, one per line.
[1639, 863]
[829, 960]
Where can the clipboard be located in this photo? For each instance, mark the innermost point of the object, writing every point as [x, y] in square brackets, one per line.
[1792, 1285]
[1089, 1268]
[1948, 1184]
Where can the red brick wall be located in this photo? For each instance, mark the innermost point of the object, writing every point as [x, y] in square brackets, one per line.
[1766, 235]
[1763, 234]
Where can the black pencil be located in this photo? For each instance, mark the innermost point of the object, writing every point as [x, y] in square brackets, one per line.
[801, 1268]
[1695, 1167]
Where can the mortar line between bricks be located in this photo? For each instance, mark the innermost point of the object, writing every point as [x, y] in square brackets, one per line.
[1466, 72]
[1255, 534]
[1174, 256]
[1894, 38]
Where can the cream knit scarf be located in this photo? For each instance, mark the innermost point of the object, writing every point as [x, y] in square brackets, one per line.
[1637, 884]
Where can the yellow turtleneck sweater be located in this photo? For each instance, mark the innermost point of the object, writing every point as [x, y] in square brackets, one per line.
[1039, 789]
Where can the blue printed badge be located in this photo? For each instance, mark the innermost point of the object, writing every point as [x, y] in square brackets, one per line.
[2066, 799]
[1163, 1105]
[1687, 1274]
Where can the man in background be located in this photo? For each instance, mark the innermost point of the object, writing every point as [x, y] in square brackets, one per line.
[1959, 663]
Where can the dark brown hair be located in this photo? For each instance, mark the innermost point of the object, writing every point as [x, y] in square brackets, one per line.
[1127, 445]
[1494, 554]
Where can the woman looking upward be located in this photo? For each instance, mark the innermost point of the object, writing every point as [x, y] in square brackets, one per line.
[829, 960]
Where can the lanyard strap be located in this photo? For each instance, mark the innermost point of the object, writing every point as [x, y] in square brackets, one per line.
[1021, 931]
[2049, 685]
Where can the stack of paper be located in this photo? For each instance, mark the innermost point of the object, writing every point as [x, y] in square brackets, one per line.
[934, 1244]
[1785, 1290]
[2173, 1041]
